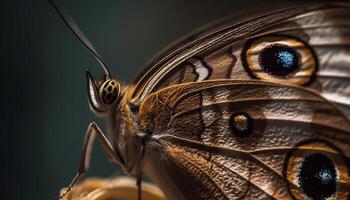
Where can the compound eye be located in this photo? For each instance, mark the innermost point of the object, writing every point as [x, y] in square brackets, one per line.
[317, 171]
[110, 92]
[279, 59]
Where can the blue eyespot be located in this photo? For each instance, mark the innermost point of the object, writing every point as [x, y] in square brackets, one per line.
[285, 58]
[318, 177]
[279, 60]
[325, 176]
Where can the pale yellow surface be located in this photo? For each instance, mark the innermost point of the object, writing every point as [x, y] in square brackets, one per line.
[121, 188]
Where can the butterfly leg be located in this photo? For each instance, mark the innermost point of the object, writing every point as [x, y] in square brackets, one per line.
[92, 131]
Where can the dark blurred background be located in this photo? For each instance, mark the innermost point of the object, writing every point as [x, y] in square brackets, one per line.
[45, 111]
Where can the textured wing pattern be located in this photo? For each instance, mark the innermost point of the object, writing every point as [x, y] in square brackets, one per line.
[200, 148]
[216, 52]
[195, 98]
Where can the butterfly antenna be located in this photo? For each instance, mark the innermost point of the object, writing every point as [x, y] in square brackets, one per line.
[79, 34]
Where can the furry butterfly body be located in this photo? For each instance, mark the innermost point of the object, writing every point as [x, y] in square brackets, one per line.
[253, 110]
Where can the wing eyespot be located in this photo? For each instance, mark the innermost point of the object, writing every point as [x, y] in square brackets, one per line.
[279, 59]
[241, 124]
[317, 170]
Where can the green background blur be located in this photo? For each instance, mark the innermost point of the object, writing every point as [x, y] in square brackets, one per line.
[44, 106]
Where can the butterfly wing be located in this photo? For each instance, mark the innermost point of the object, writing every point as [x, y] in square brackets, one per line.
[198, 153]
[221, 51]
[197, 122]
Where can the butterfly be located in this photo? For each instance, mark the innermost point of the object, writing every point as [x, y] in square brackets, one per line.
[251, 108]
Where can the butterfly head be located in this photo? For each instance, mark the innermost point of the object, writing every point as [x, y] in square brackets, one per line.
[106, 100]
[103, 94]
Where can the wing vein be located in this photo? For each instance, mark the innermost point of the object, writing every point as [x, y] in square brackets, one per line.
[225, 151]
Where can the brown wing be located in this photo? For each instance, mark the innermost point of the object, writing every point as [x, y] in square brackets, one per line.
[199, 151]
[218, 52]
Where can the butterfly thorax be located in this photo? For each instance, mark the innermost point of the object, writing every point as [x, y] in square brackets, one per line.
[126, 133]
[139, 140]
